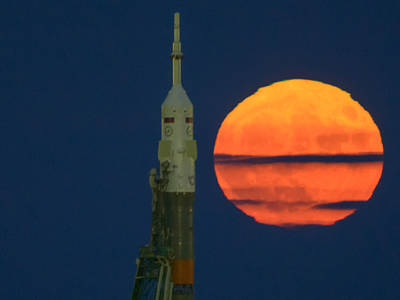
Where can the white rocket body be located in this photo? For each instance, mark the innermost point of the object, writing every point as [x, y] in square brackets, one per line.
[177, 140]
[177, 146]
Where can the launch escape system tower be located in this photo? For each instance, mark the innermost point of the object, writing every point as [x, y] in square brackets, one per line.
[165, 266]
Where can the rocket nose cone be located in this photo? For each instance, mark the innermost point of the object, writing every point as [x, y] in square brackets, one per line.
[177, 97]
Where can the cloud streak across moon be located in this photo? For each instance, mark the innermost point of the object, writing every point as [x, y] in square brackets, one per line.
[340, 158]
[286, 170]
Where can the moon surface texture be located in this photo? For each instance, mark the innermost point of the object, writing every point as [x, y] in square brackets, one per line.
[298, 152]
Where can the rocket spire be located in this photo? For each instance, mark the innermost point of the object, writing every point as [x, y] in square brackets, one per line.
[176, 54]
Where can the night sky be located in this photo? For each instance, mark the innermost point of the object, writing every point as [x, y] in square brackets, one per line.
[82, 84]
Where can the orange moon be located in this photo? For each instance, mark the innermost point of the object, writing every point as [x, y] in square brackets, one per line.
[298, 152]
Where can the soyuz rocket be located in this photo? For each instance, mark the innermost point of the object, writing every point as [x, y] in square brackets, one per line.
[165, 267]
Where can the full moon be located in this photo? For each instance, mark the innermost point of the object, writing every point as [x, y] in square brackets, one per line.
[298, 152]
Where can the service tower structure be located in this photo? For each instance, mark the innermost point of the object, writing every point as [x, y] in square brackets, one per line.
[165, 267]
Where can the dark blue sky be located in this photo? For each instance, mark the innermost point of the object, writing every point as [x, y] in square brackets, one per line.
[81, 87]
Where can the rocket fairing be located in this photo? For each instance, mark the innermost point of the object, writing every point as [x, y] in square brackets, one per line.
[169, 258]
